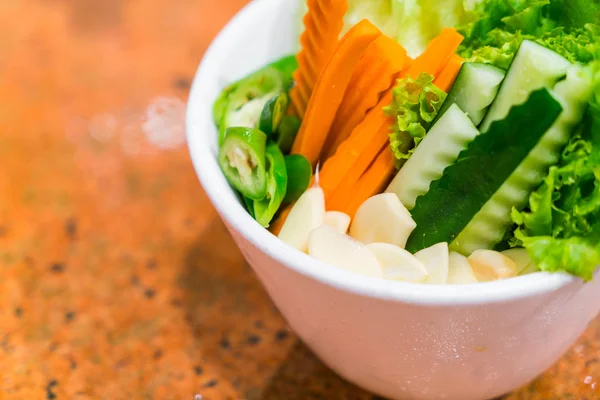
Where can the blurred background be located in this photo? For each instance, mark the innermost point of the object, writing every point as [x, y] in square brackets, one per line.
[117, 279]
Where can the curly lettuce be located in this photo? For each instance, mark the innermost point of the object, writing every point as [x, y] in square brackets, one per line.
[415, 104]
[569, 28]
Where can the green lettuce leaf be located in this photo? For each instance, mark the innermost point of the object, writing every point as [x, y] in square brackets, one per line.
[413, 23]
[501, 25]
[415, 104]
[578, 256]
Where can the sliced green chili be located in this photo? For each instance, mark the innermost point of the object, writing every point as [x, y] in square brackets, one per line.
[277, 181]
[288, 129]
[287, 66]
[299, 172]
[242, 103]
[272, 114]
[242, 159]
[249, 205]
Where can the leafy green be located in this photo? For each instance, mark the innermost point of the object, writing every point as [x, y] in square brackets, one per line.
[561, 227]
[415, 104]
[413, 23]
[568, 27]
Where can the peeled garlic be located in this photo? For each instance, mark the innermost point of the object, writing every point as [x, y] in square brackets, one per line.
[435, 260]
[307, 214]
[459, 270]
[332, 247]
[398, 264]
[530, 269]
[382, 219]
[489, 265]
[520, 257]
[339, 220]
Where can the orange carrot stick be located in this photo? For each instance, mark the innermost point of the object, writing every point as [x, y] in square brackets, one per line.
[437, 54]
[350, 151]
[330, 88]
[323, 24]
[373, 182]
[347, 186]
[446, 78]
[374, 74]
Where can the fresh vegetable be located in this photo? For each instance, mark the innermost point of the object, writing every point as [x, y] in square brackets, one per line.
[323, 23]
[241, 102]
[398, 264]
[374, 181]
[561, 226]
[436, 262]
[439, 51]
[272, 114]
[286, 66]
[569, 28]
[414, 105]
[339, 220]
[489, 226]
[330, 89]
[440, 148]
[375, 73]
[299, 172]
[277, 183]
[246, 100]
[474, 91]
[459, 270]
[413, 23]
[328, 245]
[446, 78]
[357, 165]
[382, 219]
[489, 265]
[480, 172]
[358, 151]
[520, 257]
[288, 129]
[242, 159]
[306, 215]
[533, 68]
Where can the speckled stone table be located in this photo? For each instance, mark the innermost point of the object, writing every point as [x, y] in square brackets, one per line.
[117, 280]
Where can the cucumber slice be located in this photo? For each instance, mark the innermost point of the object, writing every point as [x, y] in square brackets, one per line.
[439, 149]
[534, 67]
[474, 91]
[467, 185]
[490, 224]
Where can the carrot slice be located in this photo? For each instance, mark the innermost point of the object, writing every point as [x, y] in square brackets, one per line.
[323, 24]
[374, 181]
[437, 54]
[446, 78]
[330, 88]
[339, 198]
[349, 156]
[374, 74]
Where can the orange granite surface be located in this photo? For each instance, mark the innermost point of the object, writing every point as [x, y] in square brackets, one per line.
[117, 280]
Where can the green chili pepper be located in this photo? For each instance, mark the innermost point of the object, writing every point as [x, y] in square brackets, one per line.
[299, 172]
[249, 205]
[246, 100]
[288, 129]
[242, 159]
[277, 181]
[265, 83]
[287, 66]
[272, 114]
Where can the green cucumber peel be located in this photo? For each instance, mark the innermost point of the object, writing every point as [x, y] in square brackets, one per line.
[453, 200]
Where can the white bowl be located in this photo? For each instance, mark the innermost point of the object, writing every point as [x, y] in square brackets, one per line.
[402, 341]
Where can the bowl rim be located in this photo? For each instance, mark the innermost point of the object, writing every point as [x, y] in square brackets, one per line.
[232, 212]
